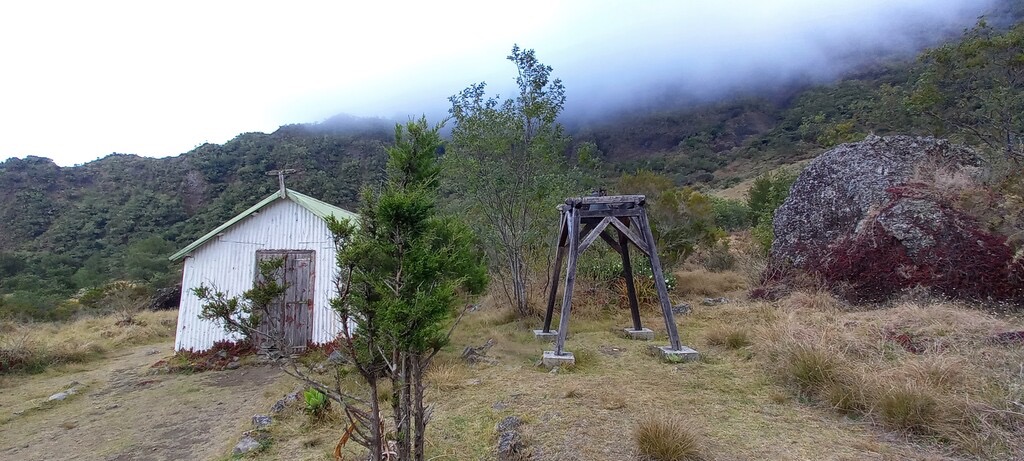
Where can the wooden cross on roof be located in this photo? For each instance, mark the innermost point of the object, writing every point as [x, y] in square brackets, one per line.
[600, 217]
[280, 178]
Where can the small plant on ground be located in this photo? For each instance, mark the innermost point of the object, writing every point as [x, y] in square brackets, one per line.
[671, 438]
[318, 407]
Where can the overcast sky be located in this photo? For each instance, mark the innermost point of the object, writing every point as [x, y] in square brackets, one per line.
[82, 79]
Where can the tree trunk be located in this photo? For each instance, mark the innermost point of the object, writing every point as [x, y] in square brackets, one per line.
[419, 412]
[517, 268]
[376, 453]
[403, 422]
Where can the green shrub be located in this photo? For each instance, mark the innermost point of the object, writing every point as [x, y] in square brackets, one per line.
[317, 404]
[731, 215]
[763, 234]
[767, 194]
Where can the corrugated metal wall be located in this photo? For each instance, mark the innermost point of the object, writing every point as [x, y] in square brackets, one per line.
[228, 263]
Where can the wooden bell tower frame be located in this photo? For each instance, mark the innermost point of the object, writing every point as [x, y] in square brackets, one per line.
[599, 216]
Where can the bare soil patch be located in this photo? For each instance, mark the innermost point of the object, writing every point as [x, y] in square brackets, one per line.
[124, 412]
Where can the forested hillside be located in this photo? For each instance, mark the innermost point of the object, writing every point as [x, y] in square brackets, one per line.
[119, 217]
[67, 229]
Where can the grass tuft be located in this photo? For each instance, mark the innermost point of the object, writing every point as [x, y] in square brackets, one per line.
[666, 439]
[910, 408]
[811, 368]
[731, 338]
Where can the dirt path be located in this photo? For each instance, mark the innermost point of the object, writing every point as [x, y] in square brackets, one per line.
[125, 413]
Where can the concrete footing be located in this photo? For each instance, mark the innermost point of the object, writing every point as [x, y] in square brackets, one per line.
[683, 354]
[643, 334]
[551, 360]
[542, 335]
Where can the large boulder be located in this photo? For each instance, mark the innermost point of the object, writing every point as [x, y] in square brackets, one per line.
[839, 188]
[873, 217]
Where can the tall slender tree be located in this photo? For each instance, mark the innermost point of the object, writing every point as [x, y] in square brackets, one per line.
[402, 267]
[507, 164]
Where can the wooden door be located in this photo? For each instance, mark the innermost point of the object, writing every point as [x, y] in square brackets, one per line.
[291, 316]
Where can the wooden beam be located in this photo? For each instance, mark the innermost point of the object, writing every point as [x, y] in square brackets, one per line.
[594, 233]
[627, 273]
[559, 253]
[570, 279]
[607, 199]
[553, 291]
[636, 239]
[611, 212]
[659, 283]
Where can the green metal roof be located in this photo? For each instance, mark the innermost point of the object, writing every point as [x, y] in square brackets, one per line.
[317, 207]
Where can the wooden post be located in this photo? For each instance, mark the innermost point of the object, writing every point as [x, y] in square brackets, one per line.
[559, 254]
[627, 272]
[573, 225]
[659, 283]
[280, 179]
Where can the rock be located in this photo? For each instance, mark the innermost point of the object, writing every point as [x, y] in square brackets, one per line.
[283, 403]
[874, 217]
[233, 365]
[681, 309]
[840, 187]
[508, 423]
[246, 445]
[554, 371]
[166, 298]
[222, 355]
[499, 406]
[474, 355]
[510, 444]
[714, 301]
[912, 241]
[337, 358]
[153, 352]
[71, 389]
[261, 421]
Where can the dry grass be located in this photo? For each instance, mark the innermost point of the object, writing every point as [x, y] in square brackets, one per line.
[661, 438]
[447, 375]
[929, 370]
[33, 347]
[702, 282]
[730, 337]
[806, 360]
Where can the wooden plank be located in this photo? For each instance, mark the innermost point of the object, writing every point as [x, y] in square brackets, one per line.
[553, 291]
[570, 279]
[594, 233]
[563, 232]
[606, 199]
[298, 317]
[610, 212]
[659, 283]
[560, 241]
[627, 273]
[269, 330]
[640, 243]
